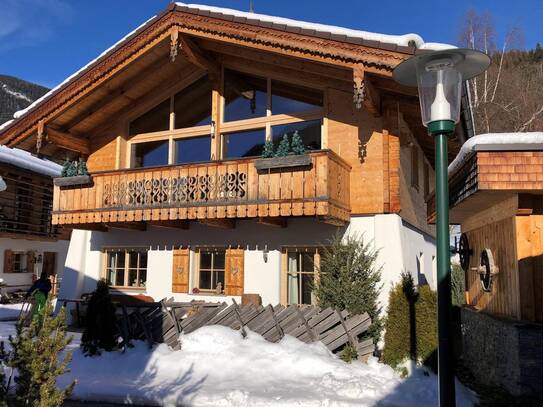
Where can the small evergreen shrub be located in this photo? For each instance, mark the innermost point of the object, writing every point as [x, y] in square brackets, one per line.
[100, 323]
[297, 145]
[458, 284]
[349, 279]
[284, 147]
[267, 152]
[348, 353]
[408, 305]
[37, 356]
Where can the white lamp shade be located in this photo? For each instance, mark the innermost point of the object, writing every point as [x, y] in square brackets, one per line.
[3, 185]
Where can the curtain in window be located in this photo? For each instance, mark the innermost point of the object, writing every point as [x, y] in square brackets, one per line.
[293, 276]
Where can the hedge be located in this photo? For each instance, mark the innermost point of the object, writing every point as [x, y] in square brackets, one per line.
[399, 330]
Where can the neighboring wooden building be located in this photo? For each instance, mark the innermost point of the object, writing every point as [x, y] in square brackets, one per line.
[172, 121]
[29, 242]
[496, 195]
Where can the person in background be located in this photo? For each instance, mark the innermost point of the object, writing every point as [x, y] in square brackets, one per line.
[39, 291]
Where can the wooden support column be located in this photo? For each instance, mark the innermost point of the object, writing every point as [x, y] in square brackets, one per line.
[216, 106]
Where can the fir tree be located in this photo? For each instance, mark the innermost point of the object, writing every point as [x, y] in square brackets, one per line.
[82, 168]
[101, 324]
[37, 356]
[297, 144]
[349, 279]
[65, 166]
[267, 152]
[284, 147]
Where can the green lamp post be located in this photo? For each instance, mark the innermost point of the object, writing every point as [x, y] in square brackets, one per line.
[439, 76]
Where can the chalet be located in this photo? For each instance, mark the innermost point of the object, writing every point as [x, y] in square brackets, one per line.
[29, 242]
[172, 122]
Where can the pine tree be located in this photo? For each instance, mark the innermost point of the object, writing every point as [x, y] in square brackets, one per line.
[297, 145]
[37, 355]
[267, 152]
[284, 147]
[82, 168]
[349, 279]
[101, 324]
[65, 166]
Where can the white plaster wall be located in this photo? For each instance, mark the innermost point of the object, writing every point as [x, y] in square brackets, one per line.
[397, 243]
[23, 245]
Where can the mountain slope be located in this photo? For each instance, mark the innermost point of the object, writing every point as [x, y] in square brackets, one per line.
[16, 94]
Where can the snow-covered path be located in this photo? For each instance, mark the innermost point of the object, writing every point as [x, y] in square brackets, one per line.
[216, 367]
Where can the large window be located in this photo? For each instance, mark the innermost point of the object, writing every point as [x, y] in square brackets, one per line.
[192, 149]
[151, 154]
[301, 274]
[250, 111]
[126, 267]
[247, 143]
[20, 263]
[245, 97]
[211, 270]
[309, 131]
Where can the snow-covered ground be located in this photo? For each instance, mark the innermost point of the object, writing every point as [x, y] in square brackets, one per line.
[216, 367]
[9, 311]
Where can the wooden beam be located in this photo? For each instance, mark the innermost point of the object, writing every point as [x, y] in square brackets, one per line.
[67, 141]
[175, 224]
[372, 99]
[197, 57]
[331, 221]
[140, 226]
[273, 221]
[226, 223]
[97, 227]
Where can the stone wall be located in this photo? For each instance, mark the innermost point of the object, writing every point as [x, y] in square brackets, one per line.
[503, 352]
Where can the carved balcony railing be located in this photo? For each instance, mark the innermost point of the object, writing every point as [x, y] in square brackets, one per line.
[211, 190]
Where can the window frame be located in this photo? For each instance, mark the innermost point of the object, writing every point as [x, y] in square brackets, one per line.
[198, 268]
[317, 253]
[221, 129]
[23, 263]
[126, 268]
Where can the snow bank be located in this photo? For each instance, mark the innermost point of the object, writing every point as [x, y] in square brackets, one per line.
[531, 141]
[216, 367]
[24, 159]
[10, 311]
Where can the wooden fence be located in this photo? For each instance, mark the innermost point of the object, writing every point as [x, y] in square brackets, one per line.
[165, 321]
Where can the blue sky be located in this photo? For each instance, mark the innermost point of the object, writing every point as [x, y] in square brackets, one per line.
[46, 40]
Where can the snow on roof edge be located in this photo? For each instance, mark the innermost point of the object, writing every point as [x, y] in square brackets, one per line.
[401, 40]
[496, 142]
[23, 159]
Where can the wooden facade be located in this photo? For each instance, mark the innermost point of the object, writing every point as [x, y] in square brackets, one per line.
[358, 167]
[496, 197]
[214, 190]
[26, 205]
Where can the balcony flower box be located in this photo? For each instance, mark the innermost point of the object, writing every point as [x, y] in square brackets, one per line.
[290, 161]
[78, 180]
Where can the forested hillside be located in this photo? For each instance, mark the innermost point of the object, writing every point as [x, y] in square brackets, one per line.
[509, 96]
[16, 94]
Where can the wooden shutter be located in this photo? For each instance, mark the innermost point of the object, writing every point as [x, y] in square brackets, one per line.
[234, 272]
[8, 261]
[30, 261]
[181, 271]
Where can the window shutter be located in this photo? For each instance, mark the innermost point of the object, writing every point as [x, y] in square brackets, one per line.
[234, 272]
[8, 261]
[181, 271]
[30, 261]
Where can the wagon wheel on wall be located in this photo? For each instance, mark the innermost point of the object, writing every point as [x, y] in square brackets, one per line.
[464, 251]
[487, 269]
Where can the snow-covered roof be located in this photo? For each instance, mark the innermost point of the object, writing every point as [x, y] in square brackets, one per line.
[276, 23]
[23, 159]
[532, 141]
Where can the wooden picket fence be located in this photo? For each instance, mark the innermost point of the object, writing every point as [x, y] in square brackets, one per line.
[165, 321]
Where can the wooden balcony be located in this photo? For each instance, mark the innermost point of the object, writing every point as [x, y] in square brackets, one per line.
[207, 192]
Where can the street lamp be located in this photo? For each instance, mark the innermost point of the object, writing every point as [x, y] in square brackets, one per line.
[439, 76]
